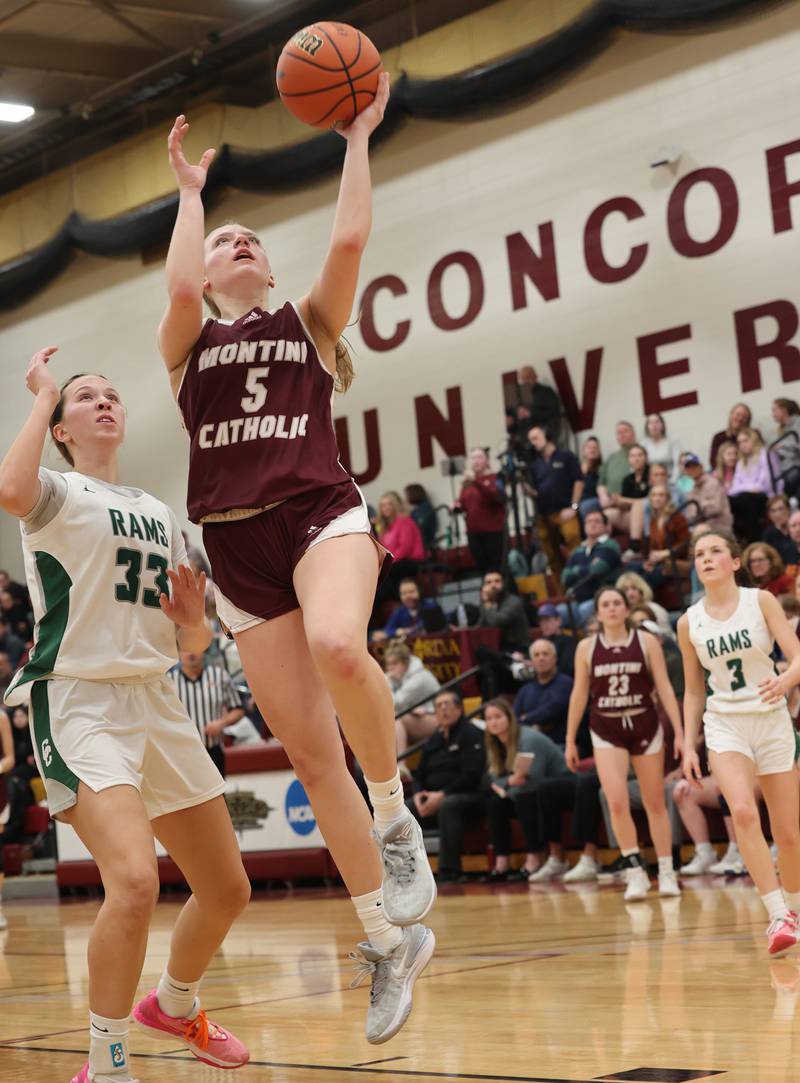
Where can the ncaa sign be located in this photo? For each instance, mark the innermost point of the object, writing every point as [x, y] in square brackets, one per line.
[299, 814]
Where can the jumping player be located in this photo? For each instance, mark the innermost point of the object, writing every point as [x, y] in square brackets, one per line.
[732, 685]
[620, 668]
[121, 761]
[288, 538]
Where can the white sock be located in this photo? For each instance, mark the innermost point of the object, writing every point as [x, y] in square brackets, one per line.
[381, 934]
[793, 900]
[775, 904]
[733, 850]
[704, 849]
[665, 866]
[108, 1048]
[176, 998]
[387, 801]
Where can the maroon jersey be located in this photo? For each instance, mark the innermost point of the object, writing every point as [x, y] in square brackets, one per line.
[256, 402]
[620, 679]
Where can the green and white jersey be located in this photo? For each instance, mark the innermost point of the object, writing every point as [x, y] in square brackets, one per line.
[96, 557]
[735, 654]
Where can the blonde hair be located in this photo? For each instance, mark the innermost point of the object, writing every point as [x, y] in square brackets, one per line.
[632, 579]
[669, 507]
[397, 651]
[381, 523]
[755, 440]
[501, 756]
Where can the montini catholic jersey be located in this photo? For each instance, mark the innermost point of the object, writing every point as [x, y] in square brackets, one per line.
[95, 572]
[735, 654]
[256, 402]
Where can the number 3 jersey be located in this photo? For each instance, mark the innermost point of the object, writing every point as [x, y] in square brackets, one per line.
[735, 654]
[96, 557]
[256, 401]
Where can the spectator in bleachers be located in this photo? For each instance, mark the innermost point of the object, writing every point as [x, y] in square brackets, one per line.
[786, 415]
[401, 536]
[725, 465]
[551, 627]
[483, 503]
[10, 643]
[537, 404]
[751, 486]
[592, 565]
[519, 759]
[739, 418]
[407, 618]
[667, 537]
[630, 501]
[505, 611]
[777, 534]
[17, 590]
[659, 447]
[767, 569]
[794, 534]
[556, 484]
[615, 468]
[18, 779]
[543, 701]
[410, 682]
[638, 591]
[690, 801]
[657, 475]
[715, 509]
[423, 513]
[6, 673]
[447, 781]
[643, 616]
[591, 462]
[17, 614]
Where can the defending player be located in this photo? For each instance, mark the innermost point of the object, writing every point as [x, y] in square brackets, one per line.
[288, 538]
[741, 700]
[120, 759]
[620, 668]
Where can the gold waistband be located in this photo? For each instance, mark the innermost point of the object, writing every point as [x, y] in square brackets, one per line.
[233, 514]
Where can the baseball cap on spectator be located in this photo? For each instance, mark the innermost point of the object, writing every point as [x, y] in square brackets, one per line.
[547, 610]
[690, 459]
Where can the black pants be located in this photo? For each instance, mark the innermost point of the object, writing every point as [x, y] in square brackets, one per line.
[456, 813]
[488, 550]
[502, 810]
[578, 793]
[749, 511]
[217, 754]
[495, 676]
[20, 796]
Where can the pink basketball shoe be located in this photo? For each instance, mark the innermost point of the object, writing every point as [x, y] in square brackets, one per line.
[83, 1075]
[208, 1041]
[783, 934]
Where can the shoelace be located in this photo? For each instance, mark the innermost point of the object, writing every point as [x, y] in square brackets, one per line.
[200, 1029]
[399, 859]
[789, 919]
[366, 968]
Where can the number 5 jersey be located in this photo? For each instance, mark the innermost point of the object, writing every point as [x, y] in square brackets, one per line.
[735, 654]
[96, 557]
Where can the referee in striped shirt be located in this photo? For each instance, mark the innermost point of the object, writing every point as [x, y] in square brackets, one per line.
[210, 698]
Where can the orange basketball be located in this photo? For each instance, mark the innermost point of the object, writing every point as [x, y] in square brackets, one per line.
[327, 74]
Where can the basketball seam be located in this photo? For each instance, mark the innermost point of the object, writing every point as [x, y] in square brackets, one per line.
[329, 86]
[335, 47]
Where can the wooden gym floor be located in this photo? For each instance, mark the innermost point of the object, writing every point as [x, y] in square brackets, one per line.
[528, 983]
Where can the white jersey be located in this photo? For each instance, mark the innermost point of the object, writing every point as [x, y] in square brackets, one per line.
[735, 654]
[95, 571]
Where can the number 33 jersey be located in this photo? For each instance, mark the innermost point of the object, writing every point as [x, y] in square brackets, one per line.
[735, 654]
[96, 558]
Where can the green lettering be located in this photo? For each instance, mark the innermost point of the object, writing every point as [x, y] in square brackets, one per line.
[712, 650]
[735, 641]
[150, 529]
[162, 534]
[723, 647]
[135, 529]
[746, 638]
[117, 522]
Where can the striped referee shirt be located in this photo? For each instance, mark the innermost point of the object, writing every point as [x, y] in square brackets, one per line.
[206, 697]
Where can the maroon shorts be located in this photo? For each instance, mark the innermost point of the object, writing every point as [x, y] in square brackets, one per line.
[638, 733]
[253, 560]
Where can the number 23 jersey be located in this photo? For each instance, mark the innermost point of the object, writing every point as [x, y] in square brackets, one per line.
[735, 654]
[96, 557]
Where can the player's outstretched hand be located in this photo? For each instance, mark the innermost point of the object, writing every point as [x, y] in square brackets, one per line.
[38, 376]
[773, 689]
[368, 119]
[187, 604]
[187, 175]
[691, 767]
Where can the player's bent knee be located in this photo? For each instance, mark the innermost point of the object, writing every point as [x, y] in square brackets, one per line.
[342, 656]
[137, 888]
[745, 816]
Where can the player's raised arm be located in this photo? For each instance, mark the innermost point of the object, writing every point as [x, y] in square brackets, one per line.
[20, 487]
[185, 272]
[327, 308]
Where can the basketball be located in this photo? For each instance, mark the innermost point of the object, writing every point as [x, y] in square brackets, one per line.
[327, 73]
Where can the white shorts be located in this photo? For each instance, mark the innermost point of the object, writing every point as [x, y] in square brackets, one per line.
[106, 734]
[768, 738]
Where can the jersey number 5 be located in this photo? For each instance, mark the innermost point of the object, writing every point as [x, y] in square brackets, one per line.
[129, 590]
[735, 666]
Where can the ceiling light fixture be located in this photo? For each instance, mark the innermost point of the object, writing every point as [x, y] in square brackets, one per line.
[13, 114]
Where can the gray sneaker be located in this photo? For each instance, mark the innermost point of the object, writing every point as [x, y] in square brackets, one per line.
[409, 889]
[393, 976]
